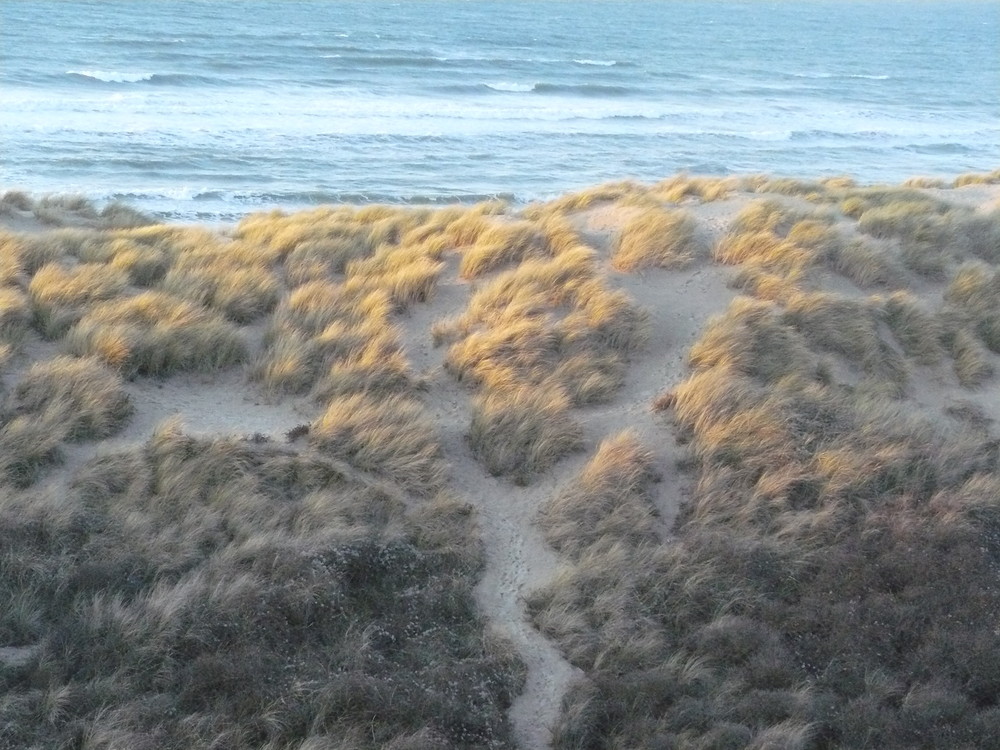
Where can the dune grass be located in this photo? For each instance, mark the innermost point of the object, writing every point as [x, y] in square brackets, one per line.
[154, 333]
[535, 341]
[60, 296]
[388, 435]
[523, 430]
[607, 503]
[93, 402]
[679, 187]
[822, 519]
[221, 593]
[829, 582]
[656, 239]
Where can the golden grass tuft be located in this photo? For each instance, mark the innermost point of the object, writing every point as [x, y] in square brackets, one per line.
[60, 295]
[607, 503]
[924, 183]
[522, 430]
[626, 192]
[848, 327]
[390, 436]
[15, 315]
[155, 333]
[808, 189]
[408, 274]
[763, 250]
[765, 215]
[500, 244]
[656, 239]
[974, 292]
[15, 200]
[93, 401]
[753, 338]
[30, 442]
[675, 189]
[377, 367]
[972, 362]
[977, 178]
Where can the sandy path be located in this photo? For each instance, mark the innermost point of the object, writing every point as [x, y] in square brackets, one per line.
[517, 557]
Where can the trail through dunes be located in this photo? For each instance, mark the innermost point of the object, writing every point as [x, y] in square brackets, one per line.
[517, 558]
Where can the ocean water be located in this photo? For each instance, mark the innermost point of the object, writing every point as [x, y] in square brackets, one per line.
[212, 108]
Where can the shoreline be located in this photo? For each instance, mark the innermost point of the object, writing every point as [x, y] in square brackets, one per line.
[234, 214]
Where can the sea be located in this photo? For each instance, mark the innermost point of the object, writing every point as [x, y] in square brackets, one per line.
[209, 109]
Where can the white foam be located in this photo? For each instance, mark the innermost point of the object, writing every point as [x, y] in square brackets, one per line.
[511, 87]
[602, 63]
[111, 76]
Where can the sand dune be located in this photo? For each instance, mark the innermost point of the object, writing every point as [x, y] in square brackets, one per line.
[798, 368]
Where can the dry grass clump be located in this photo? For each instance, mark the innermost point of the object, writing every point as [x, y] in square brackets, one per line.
[766, 215]
[155, 333]
[764, 251]
[675, 189]
[656, 239]
[856, 202]
[235, 278]
[977, 178]
[200, 593]
[29, 443]
[607, 503]
[808, 189]
[536, 340]
[916, 329]
[13, 201]
[974, 294]
[500, 244]
[922, 182]
[92, 399]
[341, 335]
[522, 430]
[847, 327]
[317, 245]
[15, 316]
[931, 234]
[58, 210]
[377, 366]
[776, 247]
[867, 265]
[923, 234]
[61, 295]
[388, 435]
[753, 338]
[118, 215]
[626, 192]
[408, 274]
[972, 362]
[542, 316]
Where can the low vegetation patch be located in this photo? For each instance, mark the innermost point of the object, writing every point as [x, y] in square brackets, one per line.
[522, 431]
[90, 397]
[656, 239]
[823, 518]
[388, 436]
[224, 593]
[60, 295]
[155, 333]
